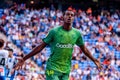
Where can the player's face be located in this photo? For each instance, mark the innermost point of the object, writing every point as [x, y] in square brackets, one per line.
[69, 17]
[10, 52]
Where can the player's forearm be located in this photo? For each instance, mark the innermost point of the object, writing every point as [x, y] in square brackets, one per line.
[87, 53]
[35, 51]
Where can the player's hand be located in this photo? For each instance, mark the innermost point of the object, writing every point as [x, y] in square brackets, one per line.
[99, 66]
[19, 64]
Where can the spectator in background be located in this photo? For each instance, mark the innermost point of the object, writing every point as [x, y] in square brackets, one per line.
[118, 30]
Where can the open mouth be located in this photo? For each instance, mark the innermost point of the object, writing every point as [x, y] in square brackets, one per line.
[69, 20]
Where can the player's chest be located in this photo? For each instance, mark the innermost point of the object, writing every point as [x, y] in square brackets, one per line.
[10, 60]
[65, 38]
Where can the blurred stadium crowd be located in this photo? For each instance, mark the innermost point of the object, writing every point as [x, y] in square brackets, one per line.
[27, 27]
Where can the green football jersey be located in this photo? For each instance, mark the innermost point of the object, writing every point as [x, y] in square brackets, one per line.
[61, 43]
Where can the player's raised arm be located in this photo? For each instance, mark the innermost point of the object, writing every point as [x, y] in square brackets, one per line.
[89, 55]
[32, 53]
[81, 44]
[48, 39]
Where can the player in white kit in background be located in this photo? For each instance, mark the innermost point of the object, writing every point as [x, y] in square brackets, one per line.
[11, 61]
[3, 59]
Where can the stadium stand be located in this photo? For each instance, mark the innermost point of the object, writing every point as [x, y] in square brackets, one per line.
[26, 27]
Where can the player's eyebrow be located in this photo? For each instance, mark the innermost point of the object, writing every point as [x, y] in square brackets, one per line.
[68, 13]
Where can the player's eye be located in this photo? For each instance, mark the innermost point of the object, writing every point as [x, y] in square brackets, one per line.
[72, 15]
[67, 14]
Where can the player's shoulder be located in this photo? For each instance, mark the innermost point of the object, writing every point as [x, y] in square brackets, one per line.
[76, 30]
[3, 51]
[55, 29]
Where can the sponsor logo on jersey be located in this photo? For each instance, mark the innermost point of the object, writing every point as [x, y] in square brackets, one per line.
[64, 45]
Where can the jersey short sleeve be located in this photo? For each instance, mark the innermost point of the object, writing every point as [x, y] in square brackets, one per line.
[49, 38]
[80, 40]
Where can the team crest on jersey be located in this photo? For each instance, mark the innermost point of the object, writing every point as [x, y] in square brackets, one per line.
[73, 36]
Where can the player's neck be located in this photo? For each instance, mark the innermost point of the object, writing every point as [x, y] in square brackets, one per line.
[10, 56]
[67, 26]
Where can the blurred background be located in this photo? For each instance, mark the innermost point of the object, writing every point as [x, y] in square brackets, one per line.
[23, 23]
